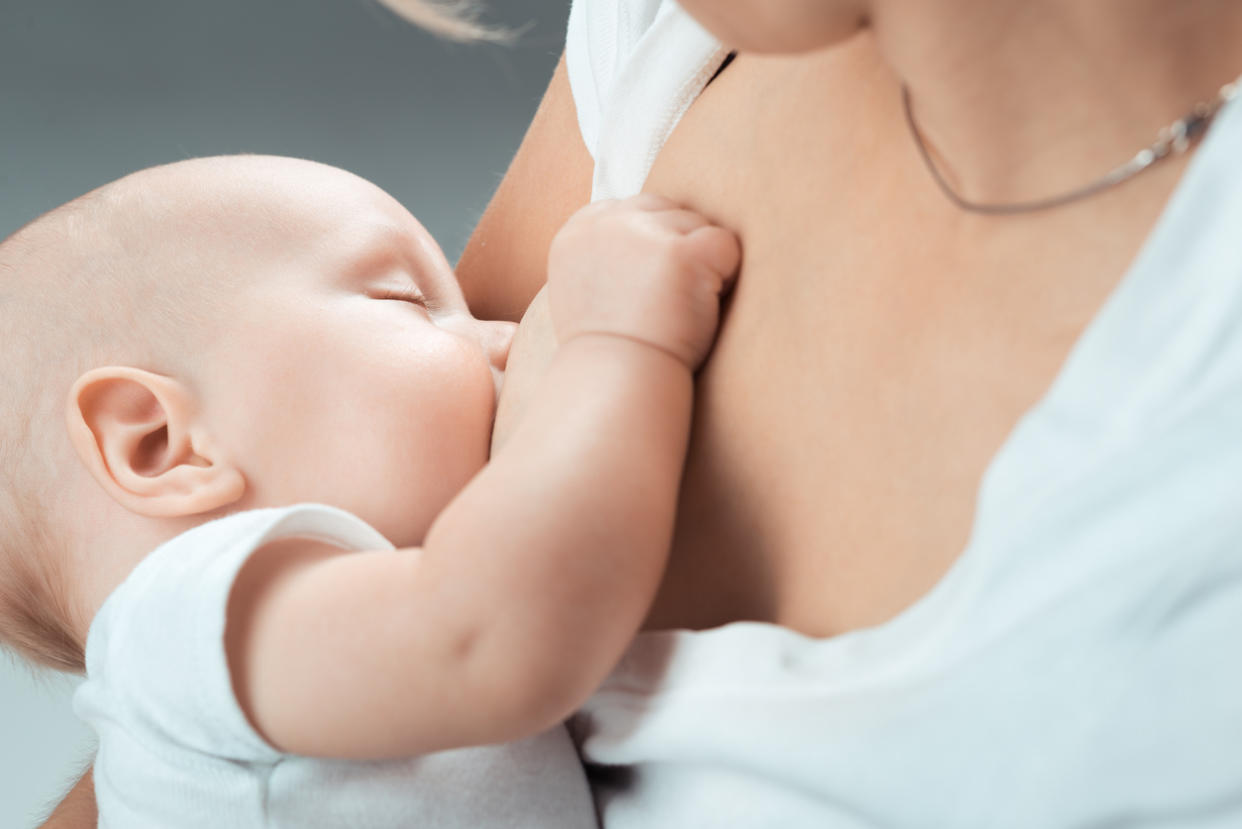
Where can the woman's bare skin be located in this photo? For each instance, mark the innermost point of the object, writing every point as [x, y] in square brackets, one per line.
[880, 346]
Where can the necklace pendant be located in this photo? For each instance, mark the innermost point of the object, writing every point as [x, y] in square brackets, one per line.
[1188, 129]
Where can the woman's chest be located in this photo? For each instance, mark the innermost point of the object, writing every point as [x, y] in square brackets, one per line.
[877, 351]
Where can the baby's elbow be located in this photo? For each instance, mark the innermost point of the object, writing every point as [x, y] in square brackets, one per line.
[528, 693]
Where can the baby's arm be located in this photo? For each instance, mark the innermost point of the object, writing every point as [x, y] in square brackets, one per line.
[533, 580]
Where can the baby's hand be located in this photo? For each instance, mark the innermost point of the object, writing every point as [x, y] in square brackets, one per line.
[641, 268]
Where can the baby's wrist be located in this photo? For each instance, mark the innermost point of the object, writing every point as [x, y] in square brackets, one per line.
[625, 342]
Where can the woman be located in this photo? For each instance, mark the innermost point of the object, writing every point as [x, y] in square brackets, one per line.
[963, 623]
[957, 541]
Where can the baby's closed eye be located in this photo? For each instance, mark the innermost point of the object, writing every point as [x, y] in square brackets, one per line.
[405, 293]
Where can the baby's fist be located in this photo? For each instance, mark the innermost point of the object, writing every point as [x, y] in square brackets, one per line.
[645, 269]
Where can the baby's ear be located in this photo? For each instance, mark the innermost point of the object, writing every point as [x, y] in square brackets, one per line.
[137, 434]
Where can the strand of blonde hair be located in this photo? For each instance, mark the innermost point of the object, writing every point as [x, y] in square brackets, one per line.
[450, 19]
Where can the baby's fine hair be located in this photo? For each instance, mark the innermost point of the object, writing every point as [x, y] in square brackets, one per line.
[34, 611]
[86, 284]
[78, 285]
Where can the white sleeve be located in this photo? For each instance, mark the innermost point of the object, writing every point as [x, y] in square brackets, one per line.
[156, 661]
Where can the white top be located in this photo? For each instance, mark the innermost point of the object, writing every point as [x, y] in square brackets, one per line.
[634, 66]
[175, 749]
[1078, 665]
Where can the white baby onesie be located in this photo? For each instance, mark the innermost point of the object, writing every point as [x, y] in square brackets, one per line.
[175, 749]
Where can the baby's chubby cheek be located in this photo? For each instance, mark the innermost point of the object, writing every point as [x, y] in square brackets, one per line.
[529, 356]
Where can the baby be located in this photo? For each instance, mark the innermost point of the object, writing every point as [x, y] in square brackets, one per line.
[268, 527]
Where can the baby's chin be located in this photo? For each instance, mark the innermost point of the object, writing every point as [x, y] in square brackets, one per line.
[532, 350]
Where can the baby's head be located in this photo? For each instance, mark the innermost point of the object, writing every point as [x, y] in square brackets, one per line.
[215, 335]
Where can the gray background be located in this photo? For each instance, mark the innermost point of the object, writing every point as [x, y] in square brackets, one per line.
[90, 91]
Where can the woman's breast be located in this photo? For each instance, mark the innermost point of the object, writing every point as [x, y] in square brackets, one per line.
[832, 468]
[864, 374]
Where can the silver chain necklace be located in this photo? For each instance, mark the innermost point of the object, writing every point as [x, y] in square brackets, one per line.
[1174, 139]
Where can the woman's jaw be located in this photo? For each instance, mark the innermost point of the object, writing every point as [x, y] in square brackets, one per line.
[776, 26]
[1018, 99]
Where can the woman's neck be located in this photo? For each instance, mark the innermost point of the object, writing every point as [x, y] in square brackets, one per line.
[1020, 100]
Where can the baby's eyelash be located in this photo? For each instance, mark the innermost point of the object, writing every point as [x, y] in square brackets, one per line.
[403, 295]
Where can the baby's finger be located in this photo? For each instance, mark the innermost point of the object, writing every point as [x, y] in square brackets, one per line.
[598, 206]
[679, 220]
[719, 249]
[652, 201]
